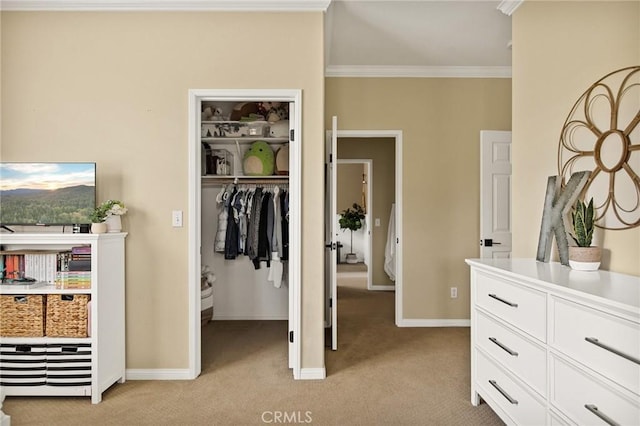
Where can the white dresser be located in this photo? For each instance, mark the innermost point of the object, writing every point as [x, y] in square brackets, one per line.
[554, 346]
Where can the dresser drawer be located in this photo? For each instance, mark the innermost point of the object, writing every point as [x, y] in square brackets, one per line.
[587, 400]
[521, 356]
[522, 307]
[494, 385]
[605, 343]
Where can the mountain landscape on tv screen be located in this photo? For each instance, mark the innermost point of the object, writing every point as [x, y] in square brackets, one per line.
[68, 205]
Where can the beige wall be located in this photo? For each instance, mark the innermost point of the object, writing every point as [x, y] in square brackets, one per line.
[112, 88]
[441, 120]
[349, 186]
[382, 152]
[559, 50]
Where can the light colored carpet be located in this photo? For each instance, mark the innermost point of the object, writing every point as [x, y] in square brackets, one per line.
[351, 267]
[381, 375]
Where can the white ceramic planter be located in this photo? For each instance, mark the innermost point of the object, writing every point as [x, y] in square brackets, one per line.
[585, 258]
[98, 228]
[114, 223]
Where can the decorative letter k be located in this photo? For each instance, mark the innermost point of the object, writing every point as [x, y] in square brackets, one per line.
[556, 205]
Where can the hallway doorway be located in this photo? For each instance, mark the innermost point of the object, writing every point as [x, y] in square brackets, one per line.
[386, 216]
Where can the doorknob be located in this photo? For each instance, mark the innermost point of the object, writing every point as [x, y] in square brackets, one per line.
[488, 242]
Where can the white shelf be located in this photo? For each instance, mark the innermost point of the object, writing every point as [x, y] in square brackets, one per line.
[107, 340]
[244, 139]
[241, 177]
[45, 340]
[40, 288]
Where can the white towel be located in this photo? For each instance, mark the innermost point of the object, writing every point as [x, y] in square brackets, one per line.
[390, 247]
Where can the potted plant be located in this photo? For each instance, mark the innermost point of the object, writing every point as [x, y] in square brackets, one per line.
[113, 209]
[97, 217]
[583, 256]
[351, 219]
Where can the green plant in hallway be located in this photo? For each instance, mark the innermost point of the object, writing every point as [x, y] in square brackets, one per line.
[351, 219]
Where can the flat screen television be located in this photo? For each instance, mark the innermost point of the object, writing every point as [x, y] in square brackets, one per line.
[47, 193]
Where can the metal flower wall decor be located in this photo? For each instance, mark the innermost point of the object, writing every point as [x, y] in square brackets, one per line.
[602, 135]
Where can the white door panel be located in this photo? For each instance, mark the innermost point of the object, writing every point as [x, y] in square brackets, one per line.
[495, 194]
[331, 232]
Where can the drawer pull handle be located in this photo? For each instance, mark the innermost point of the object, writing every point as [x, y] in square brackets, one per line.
[612, 350]
[503, 392]
[505, 348]
[506, 302]
[604, 417]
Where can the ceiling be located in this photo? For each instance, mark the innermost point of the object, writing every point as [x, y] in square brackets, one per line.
[388, 38]
[412, 38]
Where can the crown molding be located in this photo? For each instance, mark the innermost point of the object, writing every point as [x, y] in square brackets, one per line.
[417, 71]
[509, 6]
[167, 5]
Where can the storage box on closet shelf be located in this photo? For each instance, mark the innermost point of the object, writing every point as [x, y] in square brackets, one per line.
[207, 278]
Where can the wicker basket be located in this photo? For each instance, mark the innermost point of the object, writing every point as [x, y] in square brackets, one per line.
[22, 315]
[67, 315]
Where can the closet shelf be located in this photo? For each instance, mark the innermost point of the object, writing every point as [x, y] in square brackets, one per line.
[243, 139]
[217, 180]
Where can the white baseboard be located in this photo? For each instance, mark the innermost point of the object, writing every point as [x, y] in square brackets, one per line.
[435, 323]
[223, 317]
[183, 374]
[158, 374]
[313, 373]
[380, 287]
[351, 274]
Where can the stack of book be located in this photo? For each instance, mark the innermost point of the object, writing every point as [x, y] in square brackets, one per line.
[76, 272]
[38, 265]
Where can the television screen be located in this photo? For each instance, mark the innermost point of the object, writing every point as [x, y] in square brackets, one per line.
[47, 193]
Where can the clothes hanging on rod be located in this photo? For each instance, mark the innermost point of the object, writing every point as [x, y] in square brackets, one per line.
[253, 220]
[219, 241]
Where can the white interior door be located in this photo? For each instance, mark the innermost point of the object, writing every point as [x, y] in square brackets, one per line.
[331, 231]
[495, 194]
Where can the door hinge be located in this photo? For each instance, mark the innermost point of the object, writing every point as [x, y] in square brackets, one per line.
[291, 336]
[331, 302]
[291, 135]
[331, 158]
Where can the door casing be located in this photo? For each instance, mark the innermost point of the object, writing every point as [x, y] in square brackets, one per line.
[195, 97]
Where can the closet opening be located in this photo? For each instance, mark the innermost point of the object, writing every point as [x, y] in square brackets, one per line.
[244, 223]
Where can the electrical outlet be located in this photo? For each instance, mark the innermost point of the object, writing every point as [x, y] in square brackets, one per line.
[454, 292]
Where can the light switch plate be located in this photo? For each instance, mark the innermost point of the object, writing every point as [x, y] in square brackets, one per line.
[176, 218]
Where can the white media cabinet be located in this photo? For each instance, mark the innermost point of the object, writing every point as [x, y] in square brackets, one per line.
[103, 351]
[554, 346]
